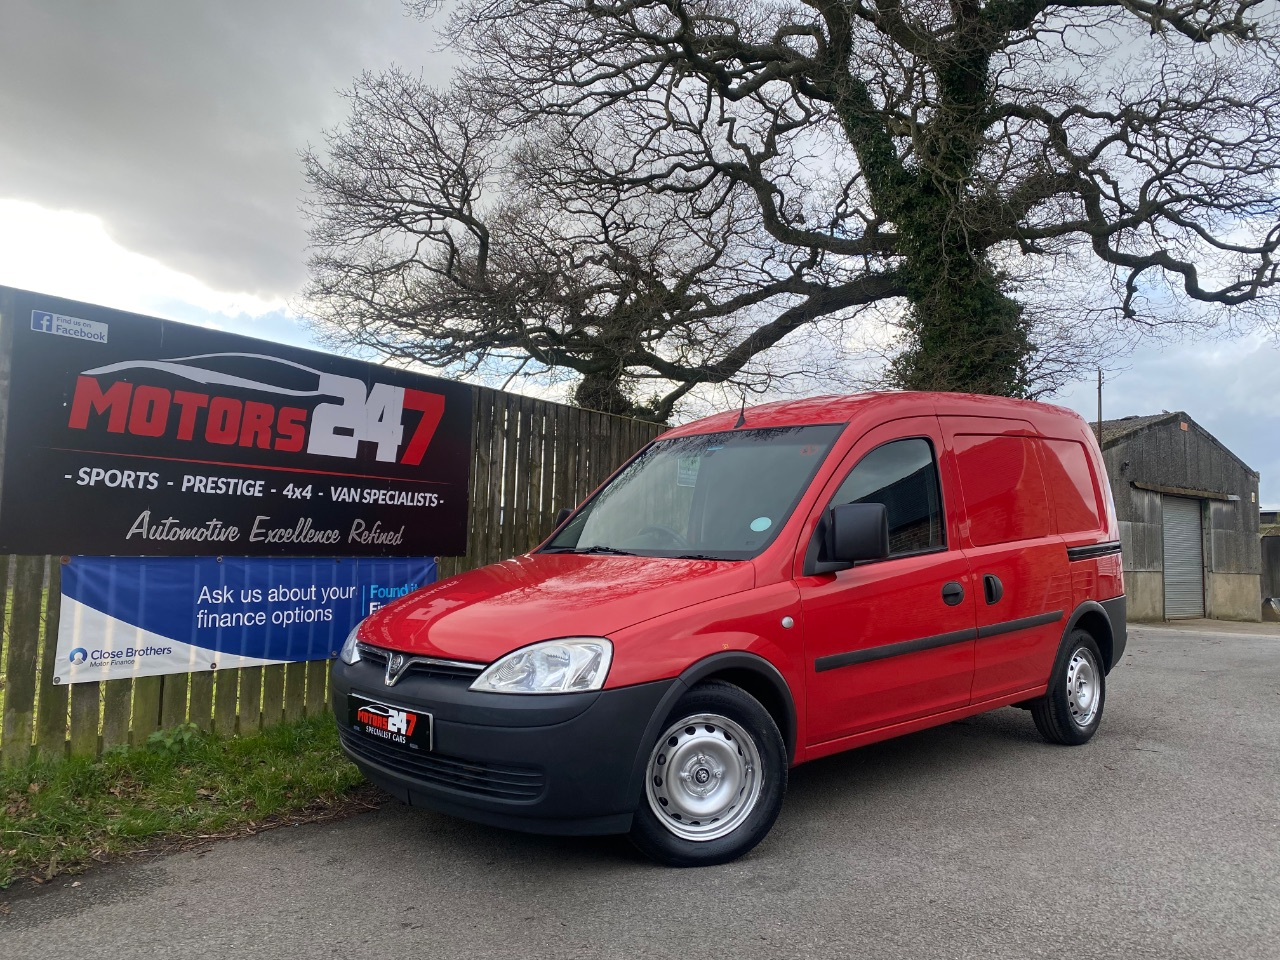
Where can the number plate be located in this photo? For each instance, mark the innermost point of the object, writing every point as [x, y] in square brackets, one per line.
[392, 725]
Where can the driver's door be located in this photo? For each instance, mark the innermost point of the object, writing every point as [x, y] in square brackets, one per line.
[892, 640]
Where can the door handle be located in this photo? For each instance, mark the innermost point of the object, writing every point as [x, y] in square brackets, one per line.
[952, 593]
[993, 588]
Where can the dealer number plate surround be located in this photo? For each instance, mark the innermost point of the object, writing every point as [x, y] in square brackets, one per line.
[396, 726]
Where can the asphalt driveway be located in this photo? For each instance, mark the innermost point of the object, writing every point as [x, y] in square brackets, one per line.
[1161, 838]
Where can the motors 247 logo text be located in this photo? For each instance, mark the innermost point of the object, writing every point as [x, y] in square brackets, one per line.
[331, 429]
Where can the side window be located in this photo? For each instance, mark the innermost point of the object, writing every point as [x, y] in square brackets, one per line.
[902, 475]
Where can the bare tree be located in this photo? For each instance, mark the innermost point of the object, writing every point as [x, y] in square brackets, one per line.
[663, 190]
[443, 237]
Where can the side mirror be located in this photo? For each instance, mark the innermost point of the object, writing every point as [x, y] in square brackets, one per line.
[856, 532]
[564, 514]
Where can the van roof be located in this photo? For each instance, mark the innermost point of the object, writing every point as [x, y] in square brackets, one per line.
[883, 405]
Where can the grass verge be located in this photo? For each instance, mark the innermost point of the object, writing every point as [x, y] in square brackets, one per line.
[182, 789]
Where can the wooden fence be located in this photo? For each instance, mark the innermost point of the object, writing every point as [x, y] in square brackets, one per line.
[529, 459]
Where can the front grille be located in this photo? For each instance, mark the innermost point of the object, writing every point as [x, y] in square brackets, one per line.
[498, 781]
[423, 666]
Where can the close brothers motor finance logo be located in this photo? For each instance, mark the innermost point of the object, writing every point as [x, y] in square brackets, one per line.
[79, 655]
[374, 415]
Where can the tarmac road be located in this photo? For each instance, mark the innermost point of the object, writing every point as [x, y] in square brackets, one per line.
[1161, 838]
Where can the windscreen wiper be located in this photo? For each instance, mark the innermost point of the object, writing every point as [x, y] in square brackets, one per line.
[598, 548]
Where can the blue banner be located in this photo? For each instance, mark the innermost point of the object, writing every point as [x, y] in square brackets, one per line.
[144, 616]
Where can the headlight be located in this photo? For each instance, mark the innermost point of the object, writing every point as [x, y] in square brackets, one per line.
[553, 666]
[350, 653]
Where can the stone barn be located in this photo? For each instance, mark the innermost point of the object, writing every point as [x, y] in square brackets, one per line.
[1188, 512]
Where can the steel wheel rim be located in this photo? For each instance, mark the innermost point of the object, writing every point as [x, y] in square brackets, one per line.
[1084, 687]
[704, 777]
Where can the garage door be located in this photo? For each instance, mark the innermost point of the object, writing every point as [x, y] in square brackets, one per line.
[1183, 559]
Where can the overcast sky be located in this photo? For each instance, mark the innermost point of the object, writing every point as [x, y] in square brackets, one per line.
[149, 161]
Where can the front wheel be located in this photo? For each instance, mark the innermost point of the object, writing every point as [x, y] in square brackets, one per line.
[714, 780]
[1071, 709]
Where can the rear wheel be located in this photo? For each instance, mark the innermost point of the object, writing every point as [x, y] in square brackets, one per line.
[1071, 709]
[714, 780]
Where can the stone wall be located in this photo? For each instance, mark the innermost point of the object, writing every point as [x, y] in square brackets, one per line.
[1233, 596]
[1145, 591]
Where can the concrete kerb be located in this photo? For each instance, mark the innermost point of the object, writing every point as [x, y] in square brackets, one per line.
[1233, 628]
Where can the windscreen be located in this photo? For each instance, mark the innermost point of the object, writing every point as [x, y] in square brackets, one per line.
[720, 496]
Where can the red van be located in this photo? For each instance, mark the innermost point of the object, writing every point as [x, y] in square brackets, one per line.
[749, 592]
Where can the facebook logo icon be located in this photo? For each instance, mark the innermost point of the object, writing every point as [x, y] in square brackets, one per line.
[42, 321]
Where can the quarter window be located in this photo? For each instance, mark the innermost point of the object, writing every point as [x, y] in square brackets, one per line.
[902, 475]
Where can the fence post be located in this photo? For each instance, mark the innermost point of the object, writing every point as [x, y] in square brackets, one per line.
[51, 710]
[117, 698]
[317, 687]
[86, 701]
[295, 690]
[173, 699]
[201, 710]
[272, 695]
[249, 715]
[24, 649]
[224, 702]
[6, 565]
[146, 708]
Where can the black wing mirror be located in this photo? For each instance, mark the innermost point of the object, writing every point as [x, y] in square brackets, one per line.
[564, 514]
[856, 532]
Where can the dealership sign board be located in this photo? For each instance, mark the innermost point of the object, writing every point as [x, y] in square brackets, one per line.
[133, 436]
[145, 616]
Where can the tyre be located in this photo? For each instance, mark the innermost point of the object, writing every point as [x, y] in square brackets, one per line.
[714, 779]
[1071, 709]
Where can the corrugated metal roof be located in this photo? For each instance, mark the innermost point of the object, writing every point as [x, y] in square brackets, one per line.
[1113, 430]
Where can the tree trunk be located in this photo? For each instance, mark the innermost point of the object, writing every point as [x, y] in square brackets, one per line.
[602, 391]
[963, 332]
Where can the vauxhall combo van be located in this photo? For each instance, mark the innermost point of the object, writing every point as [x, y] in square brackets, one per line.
[750, 592]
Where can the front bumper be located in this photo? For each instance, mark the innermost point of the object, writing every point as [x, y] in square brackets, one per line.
[555, 763]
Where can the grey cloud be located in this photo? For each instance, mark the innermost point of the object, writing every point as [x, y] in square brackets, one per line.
[1230, 388]
[179, 124]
